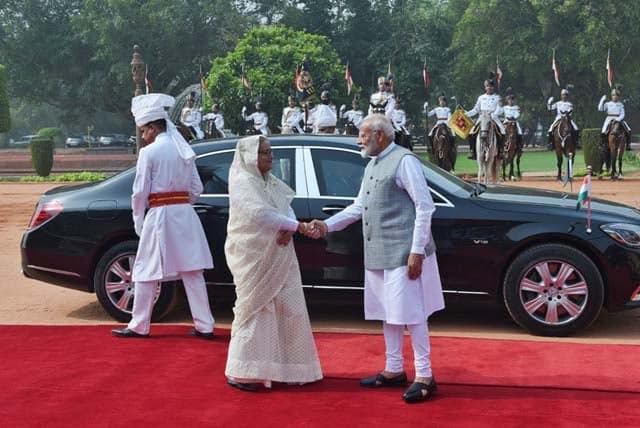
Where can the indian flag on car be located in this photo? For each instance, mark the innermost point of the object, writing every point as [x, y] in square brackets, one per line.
[585, 191]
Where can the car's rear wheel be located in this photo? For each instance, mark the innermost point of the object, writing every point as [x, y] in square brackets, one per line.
[553, 290]
[115, 289]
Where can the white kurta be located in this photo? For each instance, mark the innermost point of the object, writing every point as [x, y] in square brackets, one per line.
[389, 293]
[172, 239]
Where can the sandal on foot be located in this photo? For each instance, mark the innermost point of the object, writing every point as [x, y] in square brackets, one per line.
[251, 387]
[377, 381]
[419, 391]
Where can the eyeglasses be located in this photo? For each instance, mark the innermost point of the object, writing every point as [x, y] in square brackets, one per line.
[265, 152]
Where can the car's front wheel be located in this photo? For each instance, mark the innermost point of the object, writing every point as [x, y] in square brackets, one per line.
[553, 290]
[115, 289]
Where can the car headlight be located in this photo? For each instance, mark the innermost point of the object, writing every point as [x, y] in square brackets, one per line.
[624, 233]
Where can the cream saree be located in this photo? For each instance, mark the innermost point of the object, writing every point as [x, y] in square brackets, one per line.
[271, 338]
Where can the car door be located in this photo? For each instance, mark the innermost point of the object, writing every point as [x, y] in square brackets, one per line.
[334, 176]
[213, 205]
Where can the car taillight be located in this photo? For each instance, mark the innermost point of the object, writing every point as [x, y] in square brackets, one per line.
[45, 212]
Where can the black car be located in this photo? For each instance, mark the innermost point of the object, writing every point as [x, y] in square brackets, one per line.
[527, 248]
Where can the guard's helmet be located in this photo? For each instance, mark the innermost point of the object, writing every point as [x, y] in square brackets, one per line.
[442, 98]
[191, 96]
[215, 107]
[258, 105]
[564, 92]
[382, 80]
[616, 91]
[325, 95]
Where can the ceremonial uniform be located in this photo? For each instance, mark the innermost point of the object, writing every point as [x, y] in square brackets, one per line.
[291, 118]
[260, 121]
[382, 102]
[561, 108]
[489, 103]
[443, 115]
[172, 243]
[354, 116]
[399, 120]
[512, 113]
[615, 111]
[192, 117]
[218, 121]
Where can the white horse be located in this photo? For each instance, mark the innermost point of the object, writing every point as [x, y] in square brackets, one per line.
[487, 149]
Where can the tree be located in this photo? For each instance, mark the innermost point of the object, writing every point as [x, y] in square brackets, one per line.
[5, 116]
[270, 55]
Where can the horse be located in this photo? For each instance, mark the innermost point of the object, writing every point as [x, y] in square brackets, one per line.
[512, 151]
[617, 141]
[186, 132]
[211, 131]
[350, 129]
[487, 149]
[403, 138]
[444, 153]
[564, 141]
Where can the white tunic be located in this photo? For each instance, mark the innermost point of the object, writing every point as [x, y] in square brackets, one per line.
[217, 118]
[354, 116]
[490, 103]
[381, 97]
[512, 113]
[172, 239]
[291, 117]
[443, 115]
[561, 107]
[389, 293]
[192, 117]
[615, 111]
[260, 120]
[399, 119]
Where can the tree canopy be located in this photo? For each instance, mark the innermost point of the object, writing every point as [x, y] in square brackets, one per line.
[74, 54]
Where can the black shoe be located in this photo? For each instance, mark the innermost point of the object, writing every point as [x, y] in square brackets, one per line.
[250, 387]
[125, 332]
[201, 335]
[414, 394]
[377, 381]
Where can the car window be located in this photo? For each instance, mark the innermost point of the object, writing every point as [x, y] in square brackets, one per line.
[214, 170]
[339, 172]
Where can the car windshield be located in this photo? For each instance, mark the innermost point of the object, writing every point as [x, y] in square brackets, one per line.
[447, 181]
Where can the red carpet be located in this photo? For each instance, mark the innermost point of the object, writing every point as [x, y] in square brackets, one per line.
[82, 377]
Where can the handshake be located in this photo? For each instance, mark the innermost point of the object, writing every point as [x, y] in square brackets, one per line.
[315, 229]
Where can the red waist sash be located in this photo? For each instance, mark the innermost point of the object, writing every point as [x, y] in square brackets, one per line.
[168, 198]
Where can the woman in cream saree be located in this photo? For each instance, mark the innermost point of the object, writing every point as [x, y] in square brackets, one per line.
[271, 338]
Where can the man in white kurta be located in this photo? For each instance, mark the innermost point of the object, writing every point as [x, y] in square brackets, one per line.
[172, 241]
[405, 294]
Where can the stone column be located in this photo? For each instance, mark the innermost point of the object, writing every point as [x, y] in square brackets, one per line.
[137, 74]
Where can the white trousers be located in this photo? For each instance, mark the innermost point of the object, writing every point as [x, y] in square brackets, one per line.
[393, 338]
[196, 291]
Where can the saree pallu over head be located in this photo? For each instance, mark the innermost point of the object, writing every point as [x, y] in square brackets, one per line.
[260, 266]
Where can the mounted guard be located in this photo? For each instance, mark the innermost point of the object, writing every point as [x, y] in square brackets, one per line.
[383, 101]
[513, 142]
[441, 137]
[191, 117]
[615, 113]
[353, 117]
[260, 119]
[562, 107]
[291, 118]
[214, 122]
[488, 102]
[616, 134]
[324, 116]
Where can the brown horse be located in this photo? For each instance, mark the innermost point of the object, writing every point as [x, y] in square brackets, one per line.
[442, 150]
[617, 139]
[512, 151]
[186, 132]
[211, 131]
[564, 141]
[350, 129]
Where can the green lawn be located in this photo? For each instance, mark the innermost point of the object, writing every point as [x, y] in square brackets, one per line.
[536, 161]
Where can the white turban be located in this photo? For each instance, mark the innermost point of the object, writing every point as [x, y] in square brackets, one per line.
[149, 107]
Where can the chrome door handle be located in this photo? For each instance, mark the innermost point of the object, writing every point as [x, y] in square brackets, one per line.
[332, 209]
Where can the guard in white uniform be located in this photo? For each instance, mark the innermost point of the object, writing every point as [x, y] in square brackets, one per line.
[563, 106]
[352, 118]
[402, 282]
[172, 241]
[442, 114]
[511, 113]
[324, 116]
[615, 111]
[490, 102]
[382, 101]
[291, 118]
[217, 120]
[260, 119]
[191, 117]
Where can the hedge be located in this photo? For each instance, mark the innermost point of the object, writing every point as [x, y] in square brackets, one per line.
[591, 148]
[56, 134]
[5, 117]
[42, 155]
